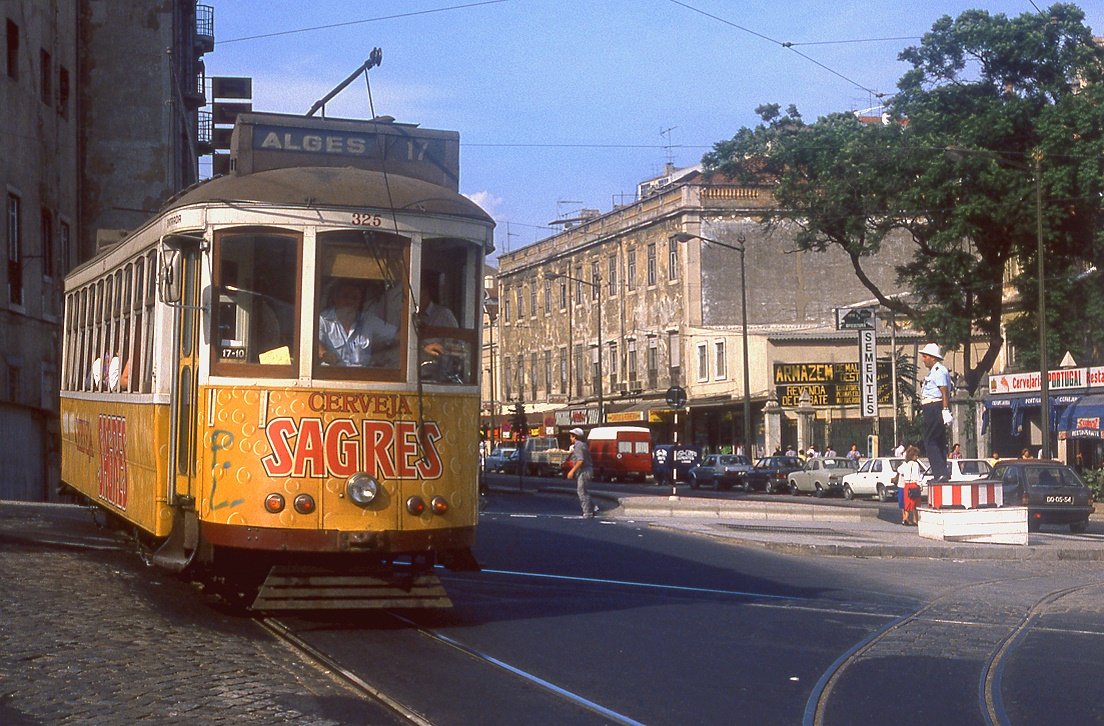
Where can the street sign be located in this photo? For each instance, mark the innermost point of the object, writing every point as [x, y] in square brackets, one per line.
[868, 381]
[856, 318]
[676, 396]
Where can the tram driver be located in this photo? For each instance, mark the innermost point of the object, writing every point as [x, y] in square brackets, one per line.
[348, 334]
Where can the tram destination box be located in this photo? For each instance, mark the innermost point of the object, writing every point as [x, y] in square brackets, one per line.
[263, 141]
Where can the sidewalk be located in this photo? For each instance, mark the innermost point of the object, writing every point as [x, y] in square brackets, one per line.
[829, 527]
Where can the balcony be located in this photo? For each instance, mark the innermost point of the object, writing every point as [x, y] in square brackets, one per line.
[204, 29]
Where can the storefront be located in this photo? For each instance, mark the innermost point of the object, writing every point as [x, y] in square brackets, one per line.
[1012, 417]
[1080, 438]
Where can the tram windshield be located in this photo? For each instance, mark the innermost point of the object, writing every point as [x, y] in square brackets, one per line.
[372, 318]
[257, 284]
[362, 303]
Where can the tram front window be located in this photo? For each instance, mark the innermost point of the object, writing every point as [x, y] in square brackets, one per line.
[449, 312]
[362, 305]
[256, 288]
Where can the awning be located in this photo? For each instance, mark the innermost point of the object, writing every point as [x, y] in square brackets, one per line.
[1081, 419]
[1018, 405]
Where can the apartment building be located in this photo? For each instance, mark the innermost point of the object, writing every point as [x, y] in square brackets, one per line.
[599, 321]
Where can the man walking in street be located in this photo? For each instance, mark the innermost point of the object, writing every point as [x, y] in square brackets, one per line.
[935, 405]
[582, 469]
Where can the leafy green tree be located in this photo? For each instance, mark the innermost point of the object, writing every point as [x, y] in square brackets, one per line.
[989, 101]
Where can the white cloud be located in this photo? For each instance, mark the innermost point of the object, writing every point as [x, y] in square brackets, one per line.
[488, 202]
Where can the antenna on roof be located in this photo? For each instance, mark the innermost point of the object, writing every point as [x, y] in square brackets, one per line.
[669, 152]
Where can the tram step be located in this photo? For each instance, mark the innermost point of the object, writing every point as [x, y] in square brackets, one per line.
[314, 588]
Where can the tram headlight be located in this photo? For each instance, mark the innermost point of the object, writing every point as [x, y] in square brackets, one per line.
[438, 505]
[362, 488]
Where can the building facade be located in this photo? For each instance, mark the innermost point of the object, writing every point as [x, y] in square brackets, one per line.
[600, 321]
[94, 138]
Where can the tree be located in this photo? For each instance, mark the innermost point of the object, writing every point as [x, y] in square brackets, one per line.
[1002, 93]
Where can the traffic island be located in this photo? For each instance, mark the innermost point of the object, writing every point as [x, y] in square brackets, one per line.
[993, 525]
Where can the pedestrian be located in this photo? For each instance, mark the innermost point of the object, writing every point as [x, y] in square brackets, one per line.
[907, 480]
[791, 451]
[935, 405]
[1026, 454]
[777, 450]
[582, 469]
[830, 453]
[956, 452]
[854, 454]
[812, 453]
[899, 452]
[994, 458]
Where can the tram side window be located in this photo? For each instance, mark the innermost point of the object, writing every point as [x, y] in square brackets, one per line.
[257, 284]
[362, 303]
[449, 300]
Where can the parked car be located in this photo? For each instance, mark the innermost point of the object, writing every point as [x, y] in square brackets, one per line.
[874, 478]
[770, 473]
[1052, 492]
[511, 463]
[821, 476]
[722, 471]
[961, 470]
[498, 457]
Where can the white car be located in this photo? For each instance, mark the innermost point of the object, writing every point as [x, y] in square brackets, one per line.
[873, 479]
[961, 470]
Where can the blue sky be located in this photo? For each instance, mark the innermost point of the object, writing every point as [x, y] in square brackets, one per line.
[568, 104]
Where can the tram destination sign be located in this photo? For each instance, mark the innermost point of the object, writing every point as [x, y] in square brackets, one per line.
[263, 141]
[828, 384]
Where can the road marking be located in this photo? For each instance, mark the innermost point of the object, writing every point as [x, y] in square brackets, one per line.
[647, 585]
[537, 680]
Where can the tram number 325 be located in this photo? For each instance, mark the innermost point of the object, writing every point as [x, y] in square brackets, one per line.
[362, 219]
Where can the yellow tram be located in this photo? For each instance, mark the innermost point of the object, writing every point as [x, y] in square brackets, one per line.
[275, 381]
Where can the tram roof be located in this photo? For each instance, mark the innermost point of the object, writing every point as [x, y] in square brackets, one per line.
[316, 186]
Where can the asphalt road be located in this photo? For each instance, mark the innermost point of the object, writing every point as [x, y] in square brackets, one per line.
[610, 621]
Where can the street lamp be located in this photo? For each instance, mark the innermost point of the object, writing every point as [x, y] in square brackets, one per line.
[955, 154]
[686, 237]
[597, 285]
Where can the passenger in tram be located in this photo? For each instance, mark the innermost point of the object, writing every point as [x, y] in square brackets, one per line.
[441, 356]
[349, 335]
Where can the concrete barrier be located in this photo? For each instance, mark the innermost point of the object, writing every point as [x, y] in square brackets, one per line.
[645, 506]
[996, 525]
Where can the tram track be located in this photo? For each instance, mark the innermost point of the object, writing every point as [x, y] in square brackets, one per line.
[284, 634]
[361, 685]
[990, 701]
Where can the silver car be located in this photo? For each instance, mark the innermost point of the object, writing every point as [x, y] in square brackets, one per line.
[821, 476]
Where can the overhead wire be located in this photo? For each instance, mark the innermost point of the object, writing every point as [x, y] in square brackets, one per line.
[784, 44]
[360, 22]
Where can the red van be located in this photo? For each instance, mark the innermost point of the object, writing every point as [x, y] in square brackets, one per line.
[620, 452]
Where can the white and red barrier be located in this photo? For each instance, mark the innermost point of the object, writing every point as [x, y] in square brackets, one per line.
[967, 494]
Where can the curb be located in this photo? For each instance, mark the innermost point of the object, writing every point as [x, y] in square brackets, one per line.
[1007, 553]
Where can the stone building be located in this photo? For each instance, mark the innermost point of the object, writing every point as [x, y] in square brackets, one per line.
[95, 137]
[597, 322]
